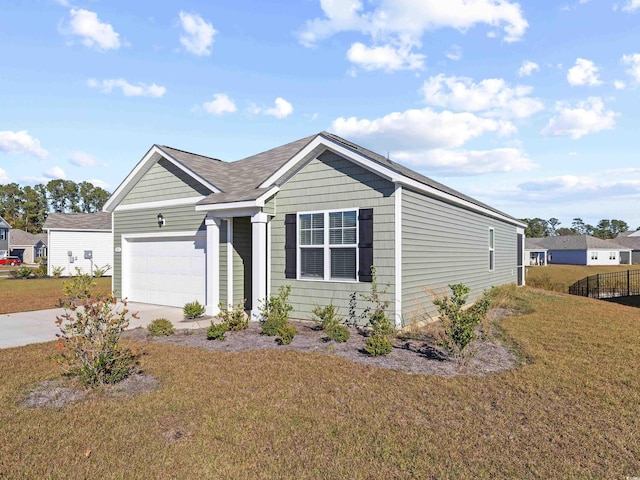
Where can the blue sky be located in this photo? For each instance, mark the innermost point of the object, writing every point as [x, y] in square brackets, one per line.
[532, 107]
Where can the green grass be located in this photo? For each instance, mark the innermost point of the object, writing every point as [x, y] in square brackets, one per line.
[571, 411]
[18, 295]
[560, 277]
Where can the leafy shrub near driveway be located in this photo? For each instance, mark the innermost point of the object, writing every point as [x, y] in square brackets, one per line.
[22, 272]
[56, 272]
[193, 310]
[235, 318]
[101, 271]
[88, 345]
[161, 327]
[217, 331]
[77, 288]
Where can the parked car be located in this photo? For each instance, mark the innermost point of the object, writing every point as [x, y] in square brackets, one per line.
[13, 261]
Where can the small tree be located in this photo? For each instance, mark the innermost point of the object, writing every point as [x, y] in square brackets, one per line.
[459, 324]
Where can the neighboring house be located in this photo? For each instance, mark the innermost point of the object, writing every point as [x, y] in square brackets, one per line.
[630, 240]
[314, 214]
[4, 237]
[27, 246]
[534, 253]
[580, 250]
[79, 240]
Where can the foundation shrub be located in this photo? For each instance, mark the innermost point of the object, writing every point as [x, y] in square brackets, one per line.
[286, 332]
[275, 311]
[234, 317]
[377, 345]
[161, 327]
[338, 333]
[193, 310]
[217, 331]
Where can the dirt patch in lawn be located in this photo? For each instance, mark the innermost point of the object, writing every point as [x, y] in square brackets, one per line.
[417, 352]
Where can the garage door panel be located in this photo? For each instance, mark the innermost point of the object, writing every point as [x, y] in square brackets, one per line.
[167, 271]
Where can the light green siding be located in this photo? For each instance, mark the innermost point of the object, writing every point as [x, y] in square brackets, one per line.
[223, 262]
[328, 183]
[444, 244]
[164, 181]
[182, 218]
[242, 261]
[270, 206]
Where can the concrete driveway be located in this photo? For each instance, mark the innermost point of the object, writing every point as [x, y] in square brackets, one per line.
[24, 328]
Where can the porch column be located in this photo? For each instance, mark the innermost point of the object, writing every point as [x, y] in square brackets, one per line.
[258, 262]
[213, 265]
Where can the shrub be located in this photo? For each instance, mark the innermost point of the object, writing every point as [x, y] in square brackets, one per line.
[41, 270]
[216, 331]
[324, 317]
[57, 271]
[160, 327]
[88, 344]
[380, 323]
[275, 312]
[101, 271]
[77, 287]
[22, 272]
[235, 318]
[459, 324]
[193, 310]
[338, 333]
[286, 332]
[378, 344]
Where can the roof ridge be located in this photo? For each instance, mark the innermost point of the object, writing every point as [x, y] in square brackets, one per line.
[192, 153]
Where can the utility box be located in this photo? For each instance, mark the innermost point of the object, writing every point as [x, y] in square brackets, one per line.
[88, 254]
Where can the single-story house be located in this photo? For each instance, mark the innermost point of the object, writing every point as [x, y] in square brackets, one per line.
[534, 254]
[630, 240]
[580, 250]
[79, 240]
[4, 236]
[28, 247]
[315, 214]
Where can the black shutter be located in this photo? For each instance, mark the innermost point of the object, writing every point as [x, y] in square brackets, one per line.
[365, 246]
[290, 245]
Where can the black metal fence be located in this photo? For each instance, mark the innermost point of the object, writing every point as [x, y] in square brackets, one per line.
[608, 285]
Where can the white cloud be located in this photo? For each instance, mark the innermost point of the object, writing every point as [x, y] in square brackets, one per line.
[99, 183]
[422, 129]
[386, 58]
[399, 25]
[633, 61]
[281, 109]
[584, 72]
[620, 85]
[94, 33]
[129, 90]
[4, 176]
[198, 34]
[220, 105]
[55, 173]
[466, 162]
[21, 142]
[631, 6]
[494, 96]
[454, 53]
[527, 68]
[587, 117]
[82, 159]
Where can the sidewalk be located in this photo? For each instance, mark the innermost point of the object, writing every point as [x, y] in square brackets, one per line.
[24, 328]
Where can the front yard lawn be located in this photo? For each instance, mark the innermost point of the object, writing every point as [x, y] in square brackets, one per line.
[571, 411]
[18, 295]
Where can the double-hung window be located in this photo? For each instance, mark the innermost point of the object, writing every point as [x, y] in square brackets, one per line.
[492, 251]
[328, 245]
[3, 234]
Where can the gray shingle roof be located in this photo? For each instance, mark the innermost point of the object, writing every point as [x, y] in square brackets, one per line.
[78, 221]
[629, 241]
[533, 244]
[239, 180]
[20, 238]
[577, 242]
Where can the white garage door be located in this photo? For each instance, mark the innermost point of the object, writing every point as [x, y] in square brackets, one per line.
[166, 271]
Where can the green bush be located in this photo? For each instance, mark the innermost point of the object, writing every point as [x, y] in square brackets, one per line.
[40, 271]
[193, 310]
[160, 327]
[101, 271]
[235, 318]
[89, 343]
[378, 344]
[275, 311]
[286, 332]
[22, 272]
[338, 333]
[380, 323]
[325, 317]
[78, 287]
[458, 323]
[57, 272]
[216, 331]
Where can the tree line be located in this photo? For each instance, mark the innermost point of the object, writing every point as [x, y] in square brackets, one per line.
[27, 207]
[605, 229]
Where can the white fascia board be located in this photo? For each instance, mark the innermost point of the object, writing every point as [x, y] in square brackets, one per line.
[262, 199]
[145, 162]
[230, 206]
[159, 204]
[133, 236]
[383, 172]
[86, 230]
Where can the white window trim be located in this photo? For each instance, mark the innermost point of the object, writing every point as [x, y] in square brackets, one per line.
[492, 248]
[327, 247]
